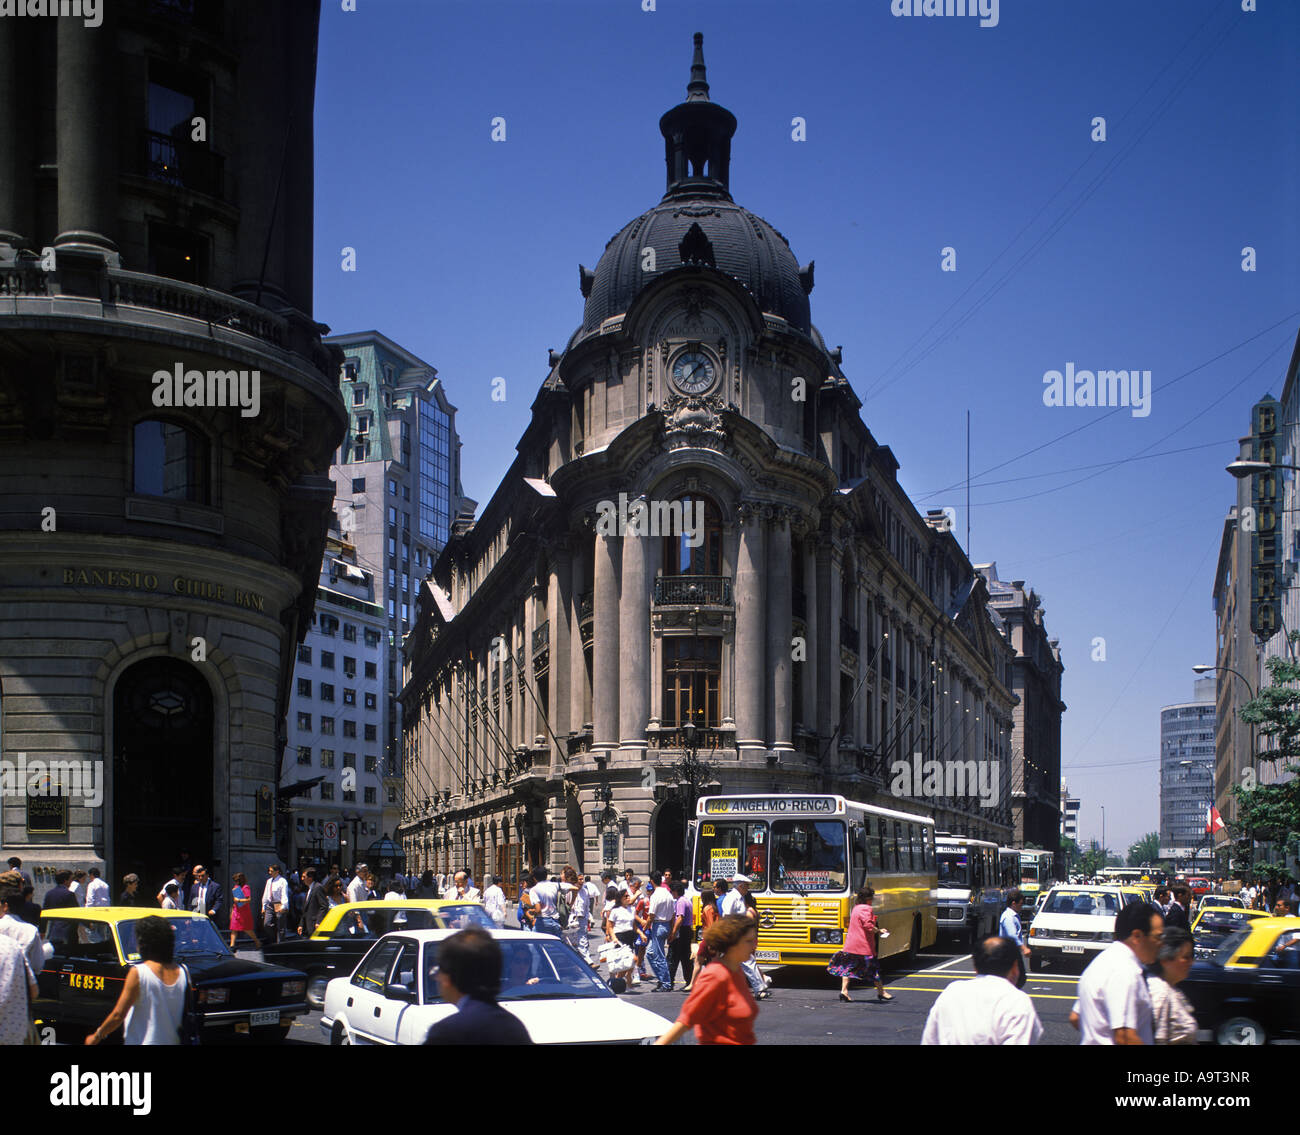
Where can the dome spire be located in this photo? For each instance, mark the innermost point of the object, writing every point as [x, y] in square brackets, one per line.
[697, 90]
[697, 138]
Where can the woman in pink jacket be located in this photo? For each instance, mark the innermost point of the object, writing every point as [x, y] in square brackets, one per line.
[859, 958]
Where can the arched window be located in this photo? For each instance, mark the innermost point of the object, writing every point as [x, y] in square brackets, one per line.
[692, 667]
[687, 549]
[169, 461]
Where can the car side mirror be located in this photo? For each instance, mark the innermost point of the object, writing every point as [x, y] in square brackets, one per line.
[398, 993]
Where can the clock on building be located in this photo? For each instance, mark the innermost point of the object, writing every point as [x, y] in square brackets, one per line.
[693, 372]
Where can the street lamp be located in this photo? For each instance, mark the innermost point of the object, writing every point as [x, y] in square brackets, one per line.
[1241, 468]
[690, 774]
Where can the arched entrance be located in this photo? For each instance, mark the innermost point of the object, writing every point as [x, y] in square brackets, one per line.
[162, 770]
[670, 833]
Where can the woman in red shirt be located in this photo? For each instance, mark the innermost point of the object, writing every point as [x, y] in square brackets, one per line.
[721, 1007]
[859, 960]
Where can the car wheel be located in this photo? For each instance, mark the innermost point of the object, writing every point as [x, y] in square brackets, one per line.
[340, 1034]
[316, 990]
[1241, 1030]
[1035, 960]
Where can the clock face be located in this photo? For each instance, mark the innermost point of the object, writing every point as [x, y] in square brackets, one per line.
[693, 372]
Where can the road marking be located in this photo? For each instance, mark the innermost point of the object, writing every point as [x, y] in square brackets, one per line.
[971, 973]
[924, 989]
[949, 962]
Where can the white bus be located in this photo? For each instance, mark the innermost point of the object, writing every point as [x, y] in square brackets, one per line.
[970, 888]
[807, 855]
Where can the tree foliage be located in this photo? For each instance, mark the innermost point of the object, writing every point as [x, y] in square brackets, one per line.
[1146, 850]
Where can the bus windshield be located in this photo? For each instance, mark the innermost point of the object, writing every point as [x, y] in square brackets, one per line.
[732, 847]
[809, 855]
[954, 868]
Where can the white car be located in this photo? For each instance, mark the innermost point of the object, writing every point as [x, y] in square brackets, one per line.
[1233, 901]
[392, 995]
[1077, 922]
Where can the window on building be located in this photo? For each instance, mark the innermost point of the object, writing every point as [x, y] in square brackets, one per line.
[349, 666]
[392, 487]
[304, 653]
[371, 701]
[304, 687]
[691, 672]
[302, 824]
[327, 791]
[392, 546]
[304, 754]
[351, 367]
[349, 696]
[169, 461]
[326, 692]
[349, 728]
[304, 721]
[680, 558]
[327, 726]
[392, 515]
[358, 484]
[392, 578]
[349, 760]
[349, 632]
[392, 794]
[327, 659]
[370, 733]
[369, 797]
[372, 639]
[372, 763]
[371, 670]
[327, 758]
[392, 609]
[359, 393]
[406, 613]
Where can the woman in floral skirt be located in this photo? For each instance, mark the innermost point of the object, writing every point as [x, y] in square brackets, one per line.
[859, 958]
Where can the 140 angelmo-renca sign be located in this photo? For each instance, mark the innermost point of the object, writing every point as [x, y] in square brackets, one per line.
[148, 581]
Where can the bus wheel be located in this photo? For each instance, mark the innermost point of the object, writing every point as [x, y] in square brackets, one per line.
[914, 947]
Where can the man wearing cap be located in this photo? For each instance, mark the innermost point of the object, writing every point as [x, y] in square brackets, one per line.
[737, 901]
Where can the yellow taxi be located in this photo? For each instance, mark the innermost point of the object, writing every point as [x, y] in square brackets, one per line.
[1249, 991]
[89, 952]
[349, 929]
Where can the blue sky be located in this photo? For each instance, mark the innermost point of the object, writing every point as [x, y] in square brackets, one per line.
[921, 134]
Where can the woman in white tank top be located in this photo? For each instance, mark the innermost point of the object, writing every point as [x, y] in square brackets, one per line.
[152, 1003]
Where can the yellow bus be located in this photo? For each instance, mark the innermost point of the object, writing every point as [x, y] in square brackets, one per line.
[806, 857]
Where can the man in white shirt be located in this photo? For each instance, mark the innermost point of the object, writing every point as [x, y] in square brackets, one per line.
[494, 901]
[663, 911]
[178, 877]
[23, 933]
[97, 891]
[988, 1009]
[460, 890]
[579, 912]
[1114, 1005]
[78, 886]
[275, 902]
[357, 889]
[545, 893]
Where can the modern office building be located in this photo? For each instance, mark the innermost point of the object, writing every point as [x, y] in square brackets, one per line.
[1069, 806]
[698, 531]
[169, 414]
[1036, 735]
[1187, 772]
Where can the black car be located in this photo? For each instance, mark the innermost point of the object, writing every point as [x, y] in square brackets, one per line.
[1249, 992]
[94, 949]
[1215, 925]
[348, 930]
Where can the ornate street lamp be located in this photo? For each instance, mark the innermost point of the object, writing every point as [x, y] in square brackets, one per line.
[689, 775]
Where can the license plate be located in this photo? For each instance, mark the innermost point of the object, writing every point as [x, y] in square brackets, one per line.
[269, 1018]
[767, 956]
[1072, 949]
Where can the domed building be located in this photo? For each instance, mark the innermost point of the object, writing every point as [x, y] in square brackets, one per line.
[699, 575]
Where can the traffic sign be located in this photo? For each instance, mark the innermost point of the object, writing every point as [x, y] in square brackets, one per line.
[331, 830]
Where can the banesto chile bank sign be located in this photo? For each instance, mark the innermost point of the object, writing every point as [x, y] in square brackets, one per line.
[175, 585]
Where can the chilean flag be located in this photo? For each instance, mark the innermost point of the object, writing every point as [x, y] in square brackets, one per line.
[1213, 821]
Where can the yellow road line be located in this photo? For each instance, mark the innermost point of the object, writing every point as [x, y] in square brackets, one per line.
[933, 975]
[924, 989]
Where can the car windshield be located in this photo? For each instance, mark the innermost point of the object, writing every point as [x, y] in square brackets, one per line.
[1103, 904]
[1223, 955]
[194, 937]
[542, 970]
[368, 923]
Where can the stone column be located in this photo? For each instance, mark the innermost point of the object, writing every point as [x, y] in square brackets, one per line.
[532, 719]
[634, 633]
[16, 220]
[862, 704]
[86, 130]
[605, 644]
[563, 624]
[828, 637]
[751, 610]
[779, 617]
[577, 660]
[809, 552]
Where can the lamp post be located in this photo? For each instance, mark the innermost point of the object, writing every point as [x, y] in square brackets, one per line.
[1203, 668]
[354, 819]
[690, 774]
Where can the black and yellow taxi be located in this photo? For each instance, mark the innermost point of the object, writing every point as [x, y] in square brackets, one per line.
[349, 929]
[1249, 991]
[1214, 925]
[95, 947]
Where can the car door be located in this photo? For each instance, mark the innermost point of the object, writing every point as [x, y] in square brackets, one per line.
[399, 1023]
[90, 975]
[1278, 986]
[365, 1006]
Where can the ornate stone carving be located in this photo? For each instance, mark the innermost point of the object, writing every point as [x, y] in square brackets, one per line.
[694, 416]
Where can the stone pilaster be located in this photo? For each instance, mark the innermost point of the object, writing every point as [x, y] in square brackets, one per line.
[634, 638]
[779, 617]
[751, 610]
[605, 644]
[86, 132]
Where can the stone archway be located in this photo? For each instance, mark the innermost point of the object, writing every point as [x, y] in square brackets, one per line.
[667, 849]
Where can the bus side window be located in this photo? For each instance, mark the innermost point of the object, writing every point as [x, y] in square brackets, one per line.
[904, 847]
[875, 852]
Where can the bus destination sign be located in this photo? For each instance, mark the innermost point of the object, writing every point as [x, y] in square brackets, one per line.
[753, 805]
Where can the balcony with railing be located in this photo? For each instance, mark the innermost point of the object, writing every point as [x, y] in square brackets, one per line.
[693, 591]
[848, 636]
[177, 161]
[707, 739]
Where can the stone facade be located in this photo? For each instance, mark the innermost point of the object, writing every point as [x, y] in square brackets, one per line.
[815, 630]
[159, 560]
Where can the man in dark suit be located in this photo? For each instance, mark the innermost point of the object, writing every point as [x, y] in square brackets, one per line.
[59, 896]
[1176, 915]
[469, 977]
[205, 895]
[314, 905]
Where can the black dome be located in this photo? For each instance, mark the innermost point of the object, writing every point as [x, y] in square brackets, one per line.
[698, 224]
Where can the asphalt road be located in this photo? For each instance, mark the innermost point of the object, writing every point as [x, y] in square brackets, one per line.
[805, 1008]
